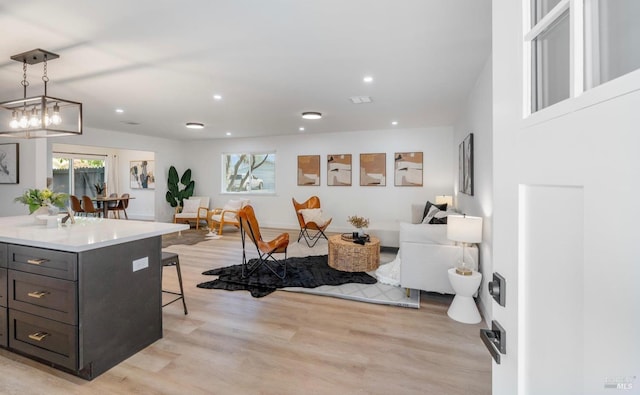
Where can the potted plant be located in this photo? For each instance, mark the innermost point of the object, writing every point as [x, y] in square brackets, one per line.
[99, 188]
[359, 223]
[41, 200]
[175, 195]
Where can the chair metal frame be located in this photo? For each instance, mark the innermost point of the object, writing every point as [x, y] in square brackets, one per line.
[249, 227]
[310, 239]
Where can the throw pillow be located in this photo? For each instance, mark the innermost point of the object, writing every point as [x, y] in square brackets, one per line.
[438, 221]
[190, 205]
[433, 210]
[234, 205]
[442, 207]
[313, 215]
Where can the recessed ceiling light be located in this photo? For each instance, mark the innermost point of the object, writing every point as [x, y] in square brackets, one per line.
[119, 110]
[311, 115]
[217, 97]
[195, 125]
[368, 79]
[228, 133]
[394, 123]
[301, 129]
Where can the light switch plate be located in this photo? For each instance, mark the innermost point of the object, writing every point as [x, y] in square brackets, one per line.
[141, 263]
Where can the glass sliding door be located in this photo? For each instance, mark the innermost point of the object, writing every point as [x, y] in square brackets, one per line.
[77, 174]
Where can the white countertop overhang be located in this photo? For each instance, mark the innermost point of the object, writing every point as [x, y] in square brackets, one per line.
[86, 234]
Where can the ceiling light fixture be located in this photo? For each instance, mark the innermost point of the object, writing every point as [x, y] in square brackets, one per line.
[301, 129]
[195, 125]
[39, 116]
[394, 123]
[217, 97]
[311, 115]
[368, 79]
[228, 133]
[119, 110]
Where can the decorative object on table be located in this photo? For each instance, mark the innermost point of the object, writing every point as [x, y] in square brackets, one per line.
[9, 163]
[39, 116]
[360, 223]
[339, 170]
[142, 174]
[373, 169]
[175, 195]
[308, 170]
[465, 165]
[307, 272]
[408, 169]
[100, 188]
[37, 199]
[464, 229]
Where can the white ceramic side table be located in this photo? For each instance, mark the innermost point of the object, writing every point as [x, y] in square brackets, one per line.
[463, 308]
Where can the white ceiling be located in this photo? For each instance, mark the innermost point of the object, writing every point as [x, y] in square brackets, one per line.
[162, 61]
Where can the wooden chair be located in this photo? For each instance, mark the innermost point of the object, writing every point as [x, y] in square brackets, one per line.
[196, 208]
[120, 205]
[89, 208]
[111, 206]
[250, 228]
[76, 206]
[226, 215]
[317, 229]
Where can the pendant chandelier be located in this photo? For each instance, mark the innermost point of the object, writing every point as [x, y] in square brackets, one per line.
[39, 116]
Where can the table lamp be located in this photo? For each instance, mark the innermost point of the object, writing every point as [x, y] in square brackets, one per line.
[445, 199]
[465, 229]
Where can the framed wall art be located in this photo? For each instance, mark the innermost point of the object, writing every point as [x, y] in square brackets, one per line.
[467, 165]
[339, 170]
[373, 169]
[9, 163]
[309, 170]
[408, 169]
[142, 174]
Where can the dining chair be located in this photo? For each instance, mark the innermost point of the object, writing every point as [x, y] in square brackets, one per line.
[122, 205]
[112, 205]
[89, 208]
[76, 206]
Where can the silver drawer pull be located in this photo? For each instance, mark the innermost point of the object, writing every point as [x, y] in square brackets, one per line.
[37, 294]
[38, 336]
[37, 261]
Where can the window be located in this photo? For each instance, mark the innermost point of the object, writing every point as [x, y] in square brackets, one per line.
[249, 173]
[578, 44]
[77, 175]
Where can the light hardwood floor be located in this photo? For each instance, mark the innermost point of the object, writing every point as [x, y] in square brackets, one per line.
[284, 343]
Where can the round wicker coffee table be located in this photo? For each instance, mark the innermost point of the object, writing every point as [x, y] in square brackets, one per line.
[348, 256]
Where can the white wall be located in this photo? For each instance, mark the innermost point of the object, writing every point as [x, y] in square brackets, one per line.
[387, 203]
[477, 119]
[32, 174]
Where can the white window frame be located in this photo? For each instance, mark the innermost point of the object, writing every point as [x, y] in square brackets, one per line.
[223, 175]
[580, 96]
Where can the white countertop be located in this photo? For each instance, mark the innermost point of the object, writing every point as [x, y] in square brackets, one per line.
[86, 234]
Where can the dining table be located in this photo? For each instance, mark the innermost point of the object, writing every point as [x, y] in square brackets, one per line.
[103, 201]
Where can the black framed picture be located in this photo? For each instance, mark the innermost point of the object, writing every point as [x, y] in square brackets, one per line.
[9, 163]
[466, 158]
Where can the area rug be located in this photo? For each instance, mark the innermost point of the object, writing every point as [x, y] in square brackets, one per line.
[188, 237]
[304, 272]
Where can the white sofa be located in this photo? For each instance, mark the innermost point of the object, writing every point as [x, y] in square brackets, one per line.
[426, 255]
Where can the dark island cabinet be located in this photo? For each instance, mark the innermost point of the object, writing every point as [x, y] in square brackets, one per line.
[82, 312]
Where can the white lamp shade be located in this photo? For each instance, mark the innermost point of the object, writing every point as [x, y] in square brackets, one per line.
[464, 228]
[440, 199]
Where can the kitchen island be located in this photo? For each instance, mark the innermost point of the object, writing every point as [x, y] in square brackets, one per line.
[81, 297]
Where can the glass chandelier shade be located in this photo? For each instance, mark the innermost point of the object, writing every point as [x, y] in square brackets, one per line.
[39, 116]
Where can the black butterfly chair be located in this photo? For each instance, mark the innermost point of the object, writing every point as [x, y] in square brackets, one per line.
[249, 227]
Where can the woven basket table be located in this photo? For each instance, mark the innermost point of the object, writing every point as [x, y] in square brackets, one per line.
[348, 256]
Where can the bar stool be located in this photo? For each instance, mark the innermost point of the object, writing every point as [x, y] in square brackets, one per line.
[171, 259]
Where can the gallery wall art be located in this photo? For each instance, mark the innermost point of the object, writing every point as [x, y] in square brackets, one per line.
[373, 169]
[339, 170]
[309, 170]
[9, 163]
[408, 169]
[465, 172]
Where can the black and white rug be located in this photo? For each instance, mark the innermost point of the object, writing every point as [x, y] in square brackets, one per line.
[303, 272]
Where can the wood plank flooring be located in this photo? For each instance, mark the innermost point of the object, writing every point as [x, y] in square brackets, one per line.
[284, 343]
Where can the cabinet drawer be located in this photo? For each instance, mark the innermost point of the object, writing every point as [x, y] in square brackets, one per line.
[50, 340]
[3, 255]
[51, 263]
[44, 296]
[3, 287]
[3, 327]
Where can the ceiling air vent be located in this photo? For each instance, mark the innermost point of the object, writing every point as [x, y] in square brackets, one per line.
[360, 99]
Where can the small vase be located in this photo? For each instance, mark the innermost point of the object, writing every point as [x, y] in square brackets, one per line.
[360, 232]
[43, 210]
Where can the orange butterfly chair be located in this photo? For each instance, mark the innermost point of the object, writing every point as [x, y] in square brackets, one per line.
[311, 238]
[249, 227]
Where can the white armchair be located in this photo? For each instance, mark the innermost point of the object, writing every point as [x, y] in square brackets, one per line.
[226, 215]
[196, 208]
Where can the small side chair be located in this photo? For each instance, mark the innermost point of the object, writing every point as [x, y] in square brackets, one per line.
[250, 229]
